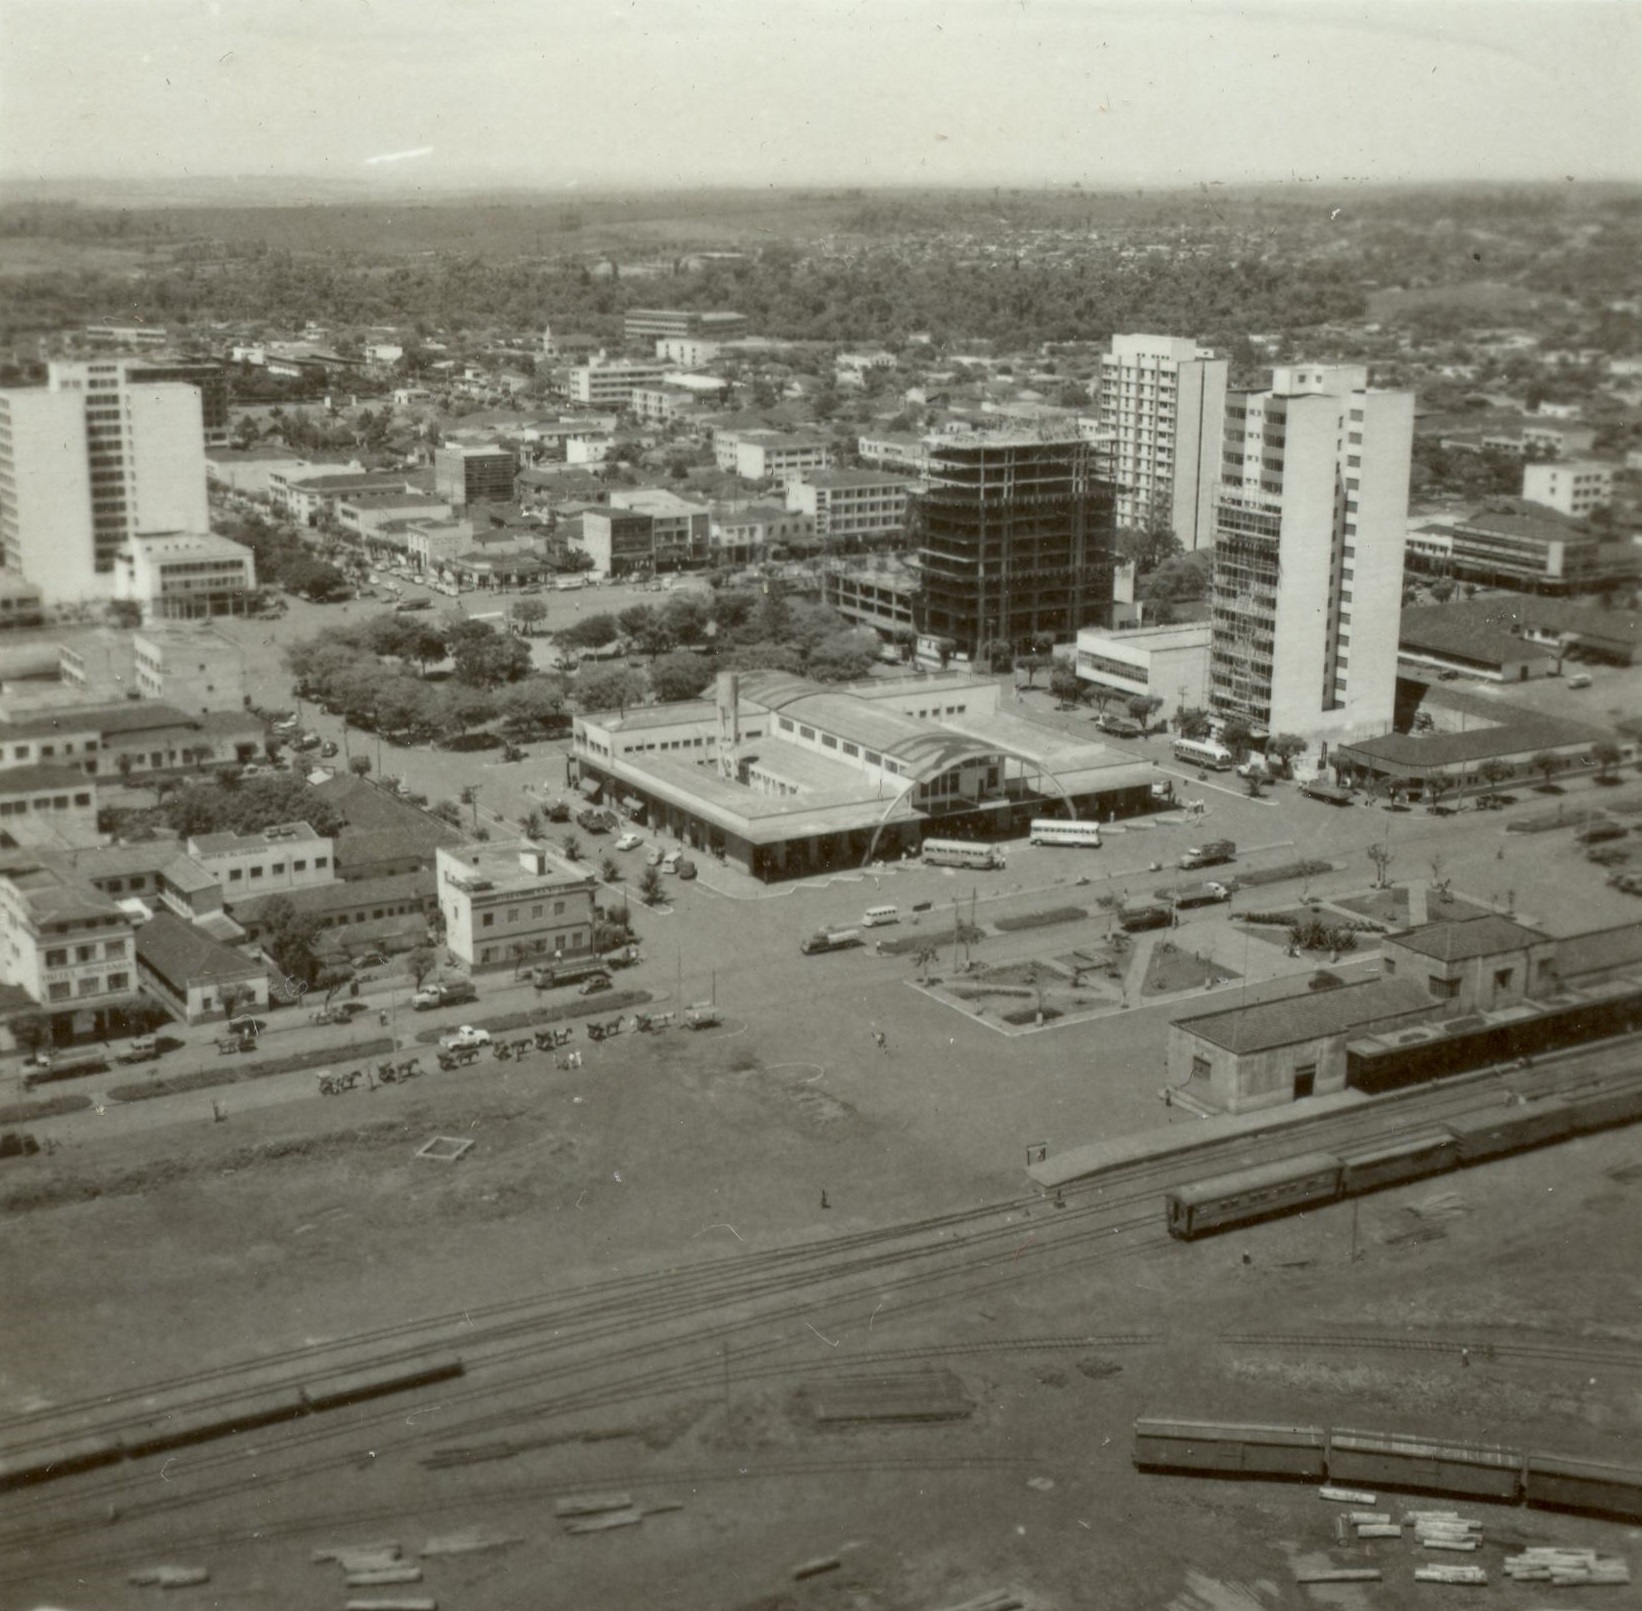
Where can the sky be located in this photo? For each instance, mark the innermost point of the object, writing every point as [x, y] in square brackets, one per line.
[560, 94]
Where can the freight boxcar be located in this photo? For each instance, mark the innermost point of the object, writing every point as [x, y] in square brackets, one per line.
[1394, 1162]
[1559, 1482]
[1397, 1460]
[376, 1381]
[1208, 1447]
[1247, 1195]
[41, 1462]
[1613, 1105]
[1498, 1132]
[185, 1424]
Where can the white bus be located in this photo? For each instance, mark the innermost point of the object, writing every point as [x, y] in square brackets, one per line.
[1058, 831]
[1203, 752]
[960, 853]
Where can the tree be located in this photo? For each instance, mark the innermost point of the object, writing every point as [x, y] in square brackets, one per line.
[359, 765]
[234, 995]
[609, 871]
[1380, 855]
[125, 613]
[288, 938]
[1494, 771]
[484, 657]
[1191, 722]
[1031, 664]
[420, 962]
[650, 886]
[1065, 684]
[1237, 735]
[315, 579]
[470, 797]
[1143, 707]
[846, 656]
[680, 675]
[572, 847]
[608, 688]
[532, 824]
[530, 613]
[31, 1030]
[1547, 765]
[592, 632]
[1284, 747]
[1607, 756]
[924, 958]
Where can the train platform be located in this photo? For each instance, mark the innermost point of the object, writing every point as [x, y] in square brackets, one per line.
[1190, 1135]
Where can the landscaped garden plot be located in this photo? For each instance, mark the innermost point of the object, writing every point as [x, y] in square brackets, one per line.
[1019, 992]
[1390, 906]
[1171, 969]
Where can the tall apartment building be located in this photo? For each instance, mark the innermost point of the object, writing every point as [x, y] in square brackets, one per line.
[86, 468]
[1162, 413]
[210, 379]
[465, 475]
[1309, 522]
[1016, 540]
[609, 382]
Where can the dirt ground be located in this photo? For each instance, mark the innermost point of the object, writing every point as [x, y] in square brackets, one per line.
[128, 1261]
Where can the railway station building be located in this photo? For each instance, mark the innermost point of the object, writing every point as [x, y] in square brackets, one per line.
[784, 777]
[1451, 996]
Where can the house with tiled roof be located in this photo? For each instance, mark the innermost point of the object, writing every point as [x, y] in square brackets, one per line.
[186, 968]
[381, 835]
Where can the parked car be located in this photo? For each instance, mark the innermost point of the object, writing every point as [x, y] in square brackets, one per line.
[144, 1049]
[686, 868]
[1580, 679]
[349, 1009]
[653, 856]
[703, 1015]
[464, 1039]
[247, 1026]
[629, 841]
[444, 995]
[592, 986]
[327, 749]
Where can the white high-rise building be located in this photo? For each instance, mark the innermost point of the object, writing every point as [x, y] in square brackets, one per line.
[1309, 520]
[89, 464]
[1162, 403]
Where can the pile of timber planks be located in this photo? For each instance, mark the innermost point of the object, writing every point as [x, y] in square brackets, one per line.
[1445, 1529]
[1450, 1574]
[922, 1395]
[1567, 1567]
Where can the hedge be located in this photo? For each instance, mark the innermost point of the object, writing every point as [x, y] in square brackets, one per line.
[1040, 920]
[48, 1108]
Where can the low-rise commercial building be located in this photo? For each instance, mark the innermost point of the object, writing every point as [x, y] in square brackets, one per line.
[618, 542]
[852, 506]
[743, 533]
[370, 514]
[1525, 553]
[680, 529]
[287, 857]
[608, 382]
[508, 905]
[47, 806]
[193, 669]
[249, 471]
[1447, 637]
[381, 835]
[1169, 664]
[388, 913]
[1574, 488]
[186, 576]
[771, 455]
[68, 946]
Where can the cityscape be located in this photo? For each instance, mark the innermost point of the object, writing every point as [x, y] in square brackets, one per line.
[777, 853]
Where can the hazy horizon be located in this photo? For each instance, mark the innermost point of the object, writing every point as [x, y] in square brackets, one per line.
[450, 96]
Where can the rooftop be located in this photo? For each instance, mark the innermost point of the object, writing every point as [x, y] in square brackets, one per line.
[1294, 1020]
[1468, 938]
[854, 478]
[501, 863]
[319, 899]
[55, 897]
[182, 954]
[1467, 634]
[29, 779]
[217, 844]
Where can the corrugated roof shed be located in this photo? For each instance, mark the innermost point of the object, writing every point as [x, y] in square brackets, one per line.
[1294, 1020]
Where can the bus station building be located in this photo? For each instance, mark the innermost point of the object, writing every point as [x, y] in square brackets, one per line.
[784, 777]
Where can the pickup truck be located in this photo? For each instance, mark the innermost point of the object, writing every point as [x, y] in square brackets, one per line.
[829, 940]
[464, 1039]
[443, 995]
[1209, 854]
[1144, 915]
[703, 1015]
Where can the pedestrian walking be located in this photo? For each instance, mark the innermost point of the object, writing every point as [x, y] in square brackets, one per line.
[880, 1040]
[824, 1202]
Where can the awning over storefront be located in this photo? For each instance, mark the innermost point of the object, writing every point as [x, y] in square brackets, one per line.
[590, 787]
[631, 803]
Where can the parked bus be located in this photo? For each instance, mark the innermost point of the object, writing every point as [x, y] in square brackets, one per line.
[1058, 831]
[960, 853]
[1203, 752]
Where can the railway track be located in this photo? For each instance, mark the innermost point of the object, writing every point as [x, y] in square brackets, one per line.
[630, 1338]
[1480, 1348]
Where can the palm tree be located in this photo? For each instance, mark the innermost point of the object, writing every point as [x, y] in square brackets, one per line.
[925, 958]
[470, 797]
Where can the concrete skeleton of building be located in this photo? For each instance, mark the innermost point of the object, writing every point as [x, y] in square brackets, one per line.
[1310, 516]
[1161, 420]
[1016, 544]
[784, 777]
[88, 467]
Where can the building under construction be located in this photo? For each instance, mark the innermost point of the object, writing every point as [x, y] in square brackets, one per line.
[1016, 537]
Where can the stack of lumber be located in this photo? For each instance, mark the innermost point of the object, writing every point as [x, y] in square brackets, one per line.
[1345, 1496]
[1567, 1567]
[1374, 1524]
[1450, 1574]
[169, 1577]
[377, 1565]
[1445, 1529]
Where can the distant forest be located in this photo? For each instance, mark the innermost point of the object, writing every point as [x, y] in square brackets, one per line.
[1015, 267]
